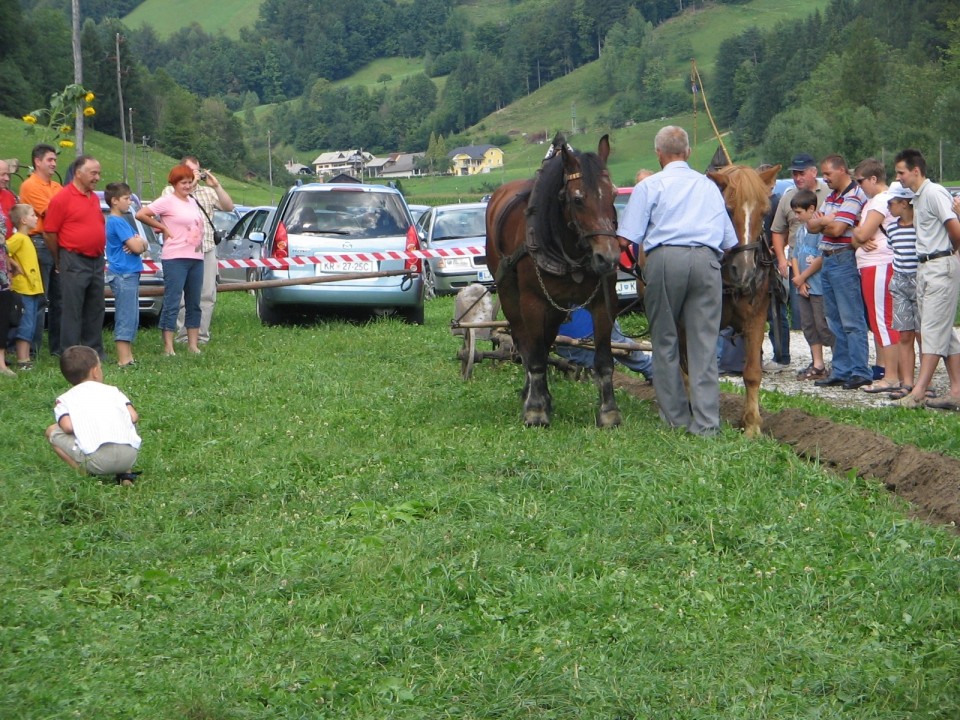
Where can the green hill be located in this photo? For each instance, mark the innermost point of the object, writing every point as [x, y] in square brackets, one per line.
[168, 16]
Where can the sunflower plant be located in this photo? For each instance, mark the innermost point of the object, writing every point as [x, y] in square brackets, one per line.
[55, 122]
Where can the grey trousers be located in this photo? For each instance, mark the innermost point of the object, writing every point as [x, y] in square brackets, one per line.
[81, 292]
[684, 287]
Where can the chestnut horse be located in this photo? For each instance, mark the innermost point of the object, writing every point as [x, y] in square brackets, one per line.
[748, 270]
[552, 248]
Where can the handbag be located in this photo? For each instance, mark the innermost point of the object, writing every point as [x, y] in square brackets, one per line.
[217, 234]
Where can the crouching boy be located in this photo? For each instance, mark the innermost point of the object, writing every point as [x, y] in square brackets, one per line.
[95, 430]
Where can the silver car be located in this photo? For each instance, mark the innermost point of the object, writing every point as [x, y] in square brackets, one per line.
[340, 221]
[448, 227]
[238, 245]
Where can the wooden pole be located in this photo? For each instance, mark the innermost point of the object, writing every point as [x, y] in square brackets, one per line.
[157, 290]
[703, 94]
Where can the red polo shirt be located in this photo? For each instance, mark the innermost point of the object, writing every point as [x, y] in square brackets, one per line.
[78, 222]
[7, 201]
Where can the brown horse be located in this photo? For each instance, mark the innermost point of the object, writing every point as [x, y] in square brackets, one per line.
[747, 270]
[552, 247]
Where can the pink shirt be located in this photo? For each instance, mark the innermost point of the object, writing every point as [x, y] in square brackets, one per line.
[883, 253]
[185, 221]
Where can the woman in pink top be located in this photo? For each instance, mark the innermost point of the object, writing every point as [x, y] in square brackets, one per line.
[180, 219]
[875, 262]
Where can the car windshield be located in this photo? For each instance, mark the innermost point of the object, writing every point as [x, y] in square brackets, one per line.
[458, 224]
[355, 214]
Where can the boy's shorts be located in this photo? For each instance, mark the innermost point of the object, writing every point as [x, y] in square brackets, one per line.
[108, 459]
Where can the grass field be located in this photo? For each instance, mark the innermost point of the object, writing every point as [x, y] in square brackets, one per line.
[331, 523]
[168, 16]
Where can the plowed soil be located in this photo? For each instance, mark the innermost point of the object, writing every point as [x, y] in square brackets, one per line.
[930, 482]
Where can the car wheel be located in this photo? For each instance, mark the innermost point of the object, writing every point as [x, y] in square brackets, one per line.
[267, 315]
[429, 282]
[413, 316]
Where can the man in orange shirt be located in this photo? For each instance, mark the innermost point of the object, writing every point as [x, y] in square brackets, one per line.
[75, 233]
[37, 190]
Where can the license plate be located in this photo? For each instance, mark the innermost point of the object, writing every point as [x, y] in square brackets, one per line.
[357, 266]
[627, 287]
[484, 276]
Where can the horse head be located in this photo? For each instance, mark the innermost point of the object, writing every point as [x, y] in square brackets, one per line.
[586, 196]
[746, 193]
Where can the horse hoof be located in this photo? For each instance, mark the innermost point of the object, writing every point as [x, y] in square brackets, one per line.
[752, 431]
[610, 418]
[536, 419]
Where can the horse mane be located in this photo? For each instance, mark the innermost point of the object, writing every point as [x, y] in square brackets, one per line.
[545, 208]
[744, 184]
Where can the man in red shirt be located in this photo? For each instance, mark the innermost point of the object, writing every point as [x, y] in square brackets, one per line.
[73, 230]
[7, 200]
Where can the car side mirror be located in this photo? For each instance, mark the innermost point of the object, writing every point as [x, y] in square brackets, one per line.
[257, 237]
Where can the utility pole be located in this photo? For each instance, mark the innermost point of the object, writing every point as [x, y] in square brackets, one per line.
[123, 125]
[77, 72]
[270, 164]
[573, 111]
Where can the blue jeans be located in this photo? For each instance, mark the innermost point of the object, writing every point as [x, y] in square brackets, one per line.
[32, 314]
[843, 306]
[126, 305]
[637, 360]
[781, 349]
[182, 277]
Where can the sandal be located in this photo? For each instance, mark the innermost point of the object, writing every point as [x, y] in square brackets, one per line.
[813, 373]
[877, 388]
[904, 390]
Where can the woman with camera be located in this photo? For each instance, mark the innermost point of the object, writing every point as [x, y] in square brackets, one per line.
[178, 216]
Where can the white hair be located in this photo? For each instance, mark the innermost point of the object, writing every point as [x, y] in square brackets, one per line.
[672, 140]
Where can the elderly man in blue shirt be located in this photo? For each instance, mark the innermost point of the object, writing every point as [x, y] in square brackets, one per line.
[679, 218]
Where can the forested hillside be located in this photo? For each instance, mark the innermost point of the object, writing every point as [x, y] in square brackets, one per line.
[862, 77]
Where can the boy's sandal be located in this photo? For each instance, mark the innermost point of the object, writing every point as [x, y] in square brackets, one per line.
[814, 373]
[132, 363]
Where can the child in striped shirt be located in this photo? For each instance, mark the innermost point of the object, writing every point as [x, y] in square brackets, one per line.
[95, 431]
[902, 237]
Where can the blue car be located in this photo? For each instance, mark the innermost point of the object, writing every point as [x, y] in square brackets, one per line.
[338, 219]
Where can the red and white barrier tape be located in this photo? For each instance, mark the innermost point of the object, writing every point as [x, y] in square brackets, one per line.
[283, 264]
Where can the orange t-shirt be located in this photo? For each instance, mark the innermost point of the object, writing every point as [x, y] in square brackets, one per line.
[37, 193]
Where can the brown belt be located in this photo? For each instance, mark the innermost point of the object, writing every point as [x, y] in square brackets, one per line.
[834, 251]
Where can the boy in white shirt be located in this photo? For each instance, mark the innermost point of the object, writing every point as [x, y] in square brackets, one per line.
[95, 430]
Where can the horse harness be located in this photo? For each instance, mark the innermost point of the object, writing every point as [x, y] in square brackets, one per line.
[552, 260]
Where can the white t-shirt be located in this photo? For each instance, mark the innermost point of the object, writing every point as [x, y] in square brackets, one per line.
[883, 253]
[99, 415]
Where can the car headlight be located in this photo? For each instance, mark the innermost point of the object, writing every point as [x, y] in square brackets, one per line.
[454, 264]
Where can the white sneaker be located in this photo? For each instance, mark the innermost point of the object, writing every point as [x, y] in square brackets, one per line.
[774, 367]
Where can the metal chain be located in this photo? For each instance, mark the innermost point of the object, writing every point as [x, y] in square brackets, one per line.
[553, 302]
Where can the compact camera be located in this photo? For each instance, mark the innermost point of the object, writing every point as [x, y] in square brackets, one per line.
[203, 174]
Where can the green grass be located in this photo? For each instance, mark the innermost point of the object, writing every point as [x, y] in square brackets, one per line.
[168, 16]
[398, 68]
[332, 524]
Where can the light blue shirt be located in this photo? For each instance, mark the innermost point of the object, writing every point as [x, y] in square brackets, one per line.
[678, 207]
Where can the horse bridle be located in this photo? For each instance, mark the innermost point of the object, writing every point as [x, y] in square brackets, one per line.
[583, 237]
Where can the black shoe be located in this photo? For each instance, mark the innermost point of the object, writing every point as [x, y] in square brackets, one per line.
[830, 382]
[857, 382]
